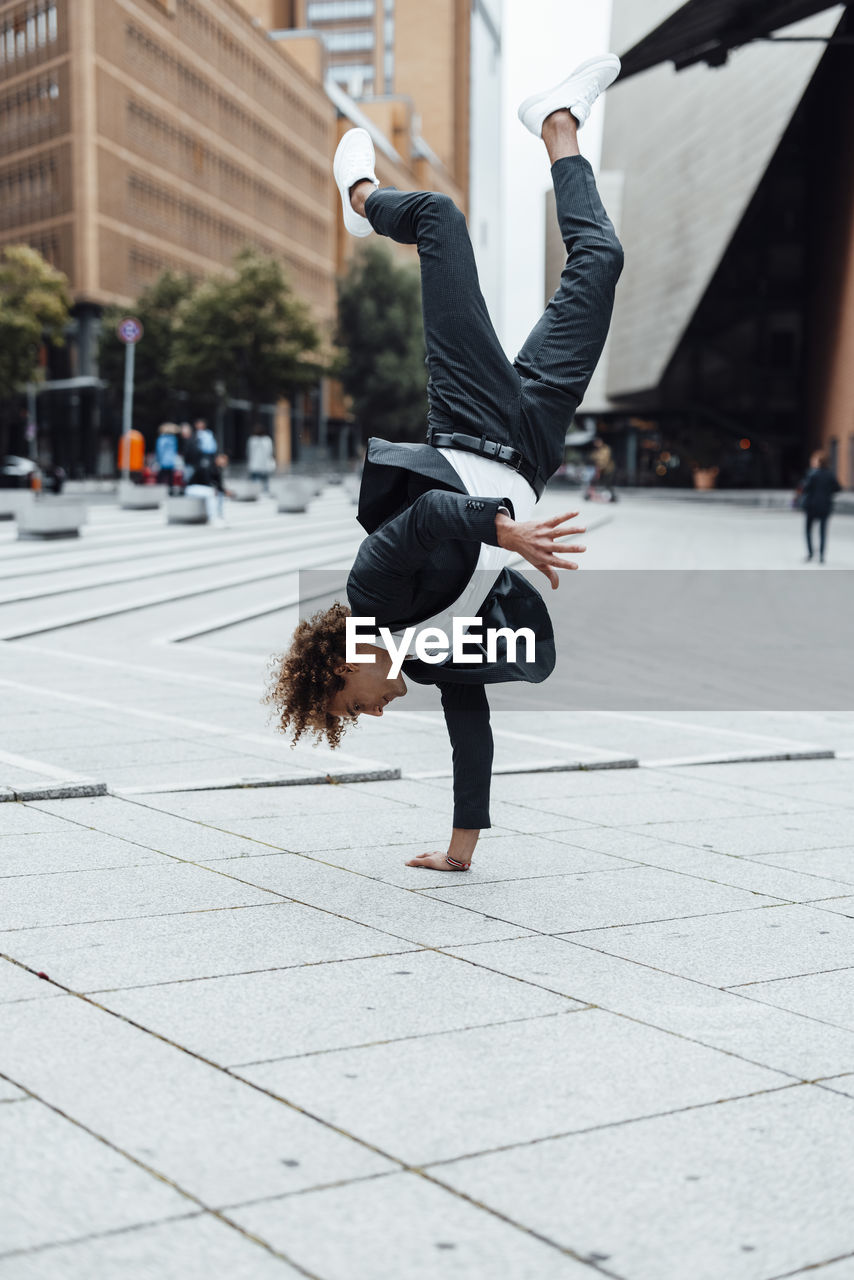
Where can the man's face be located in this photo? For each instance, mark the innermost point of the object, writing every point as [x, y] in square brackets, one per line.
[368, 687]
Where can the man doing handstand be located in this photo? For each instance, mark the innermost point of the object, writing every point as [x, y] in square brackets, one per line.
[444, 517]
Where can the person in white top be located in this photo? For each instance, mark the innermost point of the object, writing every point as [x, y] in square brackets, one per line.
[260, 458]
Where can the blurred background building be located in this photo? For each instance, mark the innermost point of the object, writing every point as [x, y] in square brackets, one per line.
[727, 168]
[144, 135]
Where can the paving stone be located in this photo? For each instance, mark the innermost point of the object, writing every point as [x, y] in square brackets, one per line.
[756, 836]
[730, 949]
[207, 1132]
[786, 799]
[198, 944]
[707, 1193]
[290, 1012]
[633, 809]
[201, 1245]
[582, 784]
[124, 755]
[325, 832]
[827, 996]
[43, 1205]
[281, 803]
[629, 894]
[72, 849]
[840, 1084]
[73, 897]
[842, 1270]
[24, 819]
[759, 875]
[163, 832]
[518, 1082]
[722, 1019]
[19, 984]
[839, 906]
[504, 857]
[413, 916]
[523, 818]
[784, 775]
[836, 864]
[217, 771]
[402, 1226]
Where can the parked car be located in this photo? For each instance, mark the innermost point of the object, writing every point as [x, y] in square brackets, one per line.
[17, 473]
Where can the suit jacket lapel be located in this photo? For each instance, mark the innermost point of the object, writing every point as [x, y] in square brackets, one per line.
[387, 475]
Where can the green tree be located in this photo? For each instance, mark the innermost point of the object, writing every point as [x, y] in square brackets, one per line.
[34, 305]
[249, 332]
[154, 399]
[381, 335]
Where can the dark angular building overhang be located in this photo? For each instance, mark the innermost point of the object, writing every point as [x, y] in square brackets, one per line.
[706, 31]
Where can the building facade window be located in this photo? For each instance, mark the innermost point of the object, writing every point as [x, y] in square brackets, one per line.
[348, 41]
[388, 46]
[356, 78]
[25, 31]
[339, 10]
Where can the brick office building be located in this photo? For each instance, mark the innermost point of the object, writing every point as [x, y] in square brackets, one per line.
[427, 78]
[144, 134]
[140, 135]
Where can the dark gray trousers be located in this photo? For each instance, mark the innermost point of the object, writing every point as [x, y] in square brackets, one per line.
[473, 387]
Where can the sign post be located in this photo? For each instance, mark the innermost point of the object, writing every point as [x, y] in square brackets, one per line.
[130, 332]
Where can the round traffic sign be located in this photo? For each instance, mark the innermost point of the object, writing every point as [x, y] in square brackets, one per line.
[130, 329]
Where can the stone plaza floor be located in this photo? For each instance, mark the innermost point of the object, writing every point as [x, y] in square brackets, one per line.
[239, 1038]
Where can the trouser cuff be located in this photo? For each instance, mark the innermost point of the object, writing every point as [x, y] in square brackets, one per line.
[472, 819]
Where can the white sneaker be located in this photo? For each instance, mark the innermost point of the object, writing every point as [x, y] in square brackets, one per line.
[354, 161]
[576, 94]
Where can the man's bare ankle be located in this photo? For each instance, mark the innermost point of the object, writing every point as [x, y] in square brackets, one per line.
[560, 134]
[359, 193]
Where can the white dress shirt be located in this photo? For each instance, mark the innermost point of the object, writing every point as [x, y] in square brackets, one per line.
[483, 478]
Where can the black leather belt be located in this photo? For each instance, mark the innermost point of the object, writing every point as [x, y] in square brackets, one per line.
[487, 448]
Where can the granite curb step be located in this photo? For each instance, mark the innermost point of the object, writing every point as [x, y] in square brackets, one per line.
[82, 787]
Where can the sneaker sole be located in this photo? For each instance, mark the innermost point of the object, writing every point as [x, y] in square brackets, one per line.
[353, 221]
[536, 98]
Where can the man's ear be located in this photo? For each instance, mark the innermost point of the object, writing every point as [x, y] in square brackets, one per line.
[346, 669]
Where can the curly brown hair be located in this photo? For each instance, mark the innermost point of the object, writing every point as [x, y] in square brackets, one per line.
[303, 680]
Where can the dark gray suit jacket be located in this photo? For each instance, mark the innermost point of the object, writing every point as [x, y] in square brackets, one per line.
[424, 540]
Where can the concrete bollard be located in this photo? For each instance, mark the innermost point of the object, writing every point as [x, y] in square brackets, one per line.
[244, 490]
[183, 510]
[46, 519]
[293, 495]
[14, 501]
[140, 497]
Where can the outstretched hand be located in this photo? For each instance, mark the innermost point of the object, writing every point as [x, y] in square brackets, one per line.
[539, 542]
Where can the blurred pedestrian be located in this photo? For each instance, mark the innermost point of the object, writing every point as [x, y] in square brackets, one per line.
[209, 483]
[603, 461]
[817, 490]
[188, 452]
[260, 459]
[205, 439]
[166, 452]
